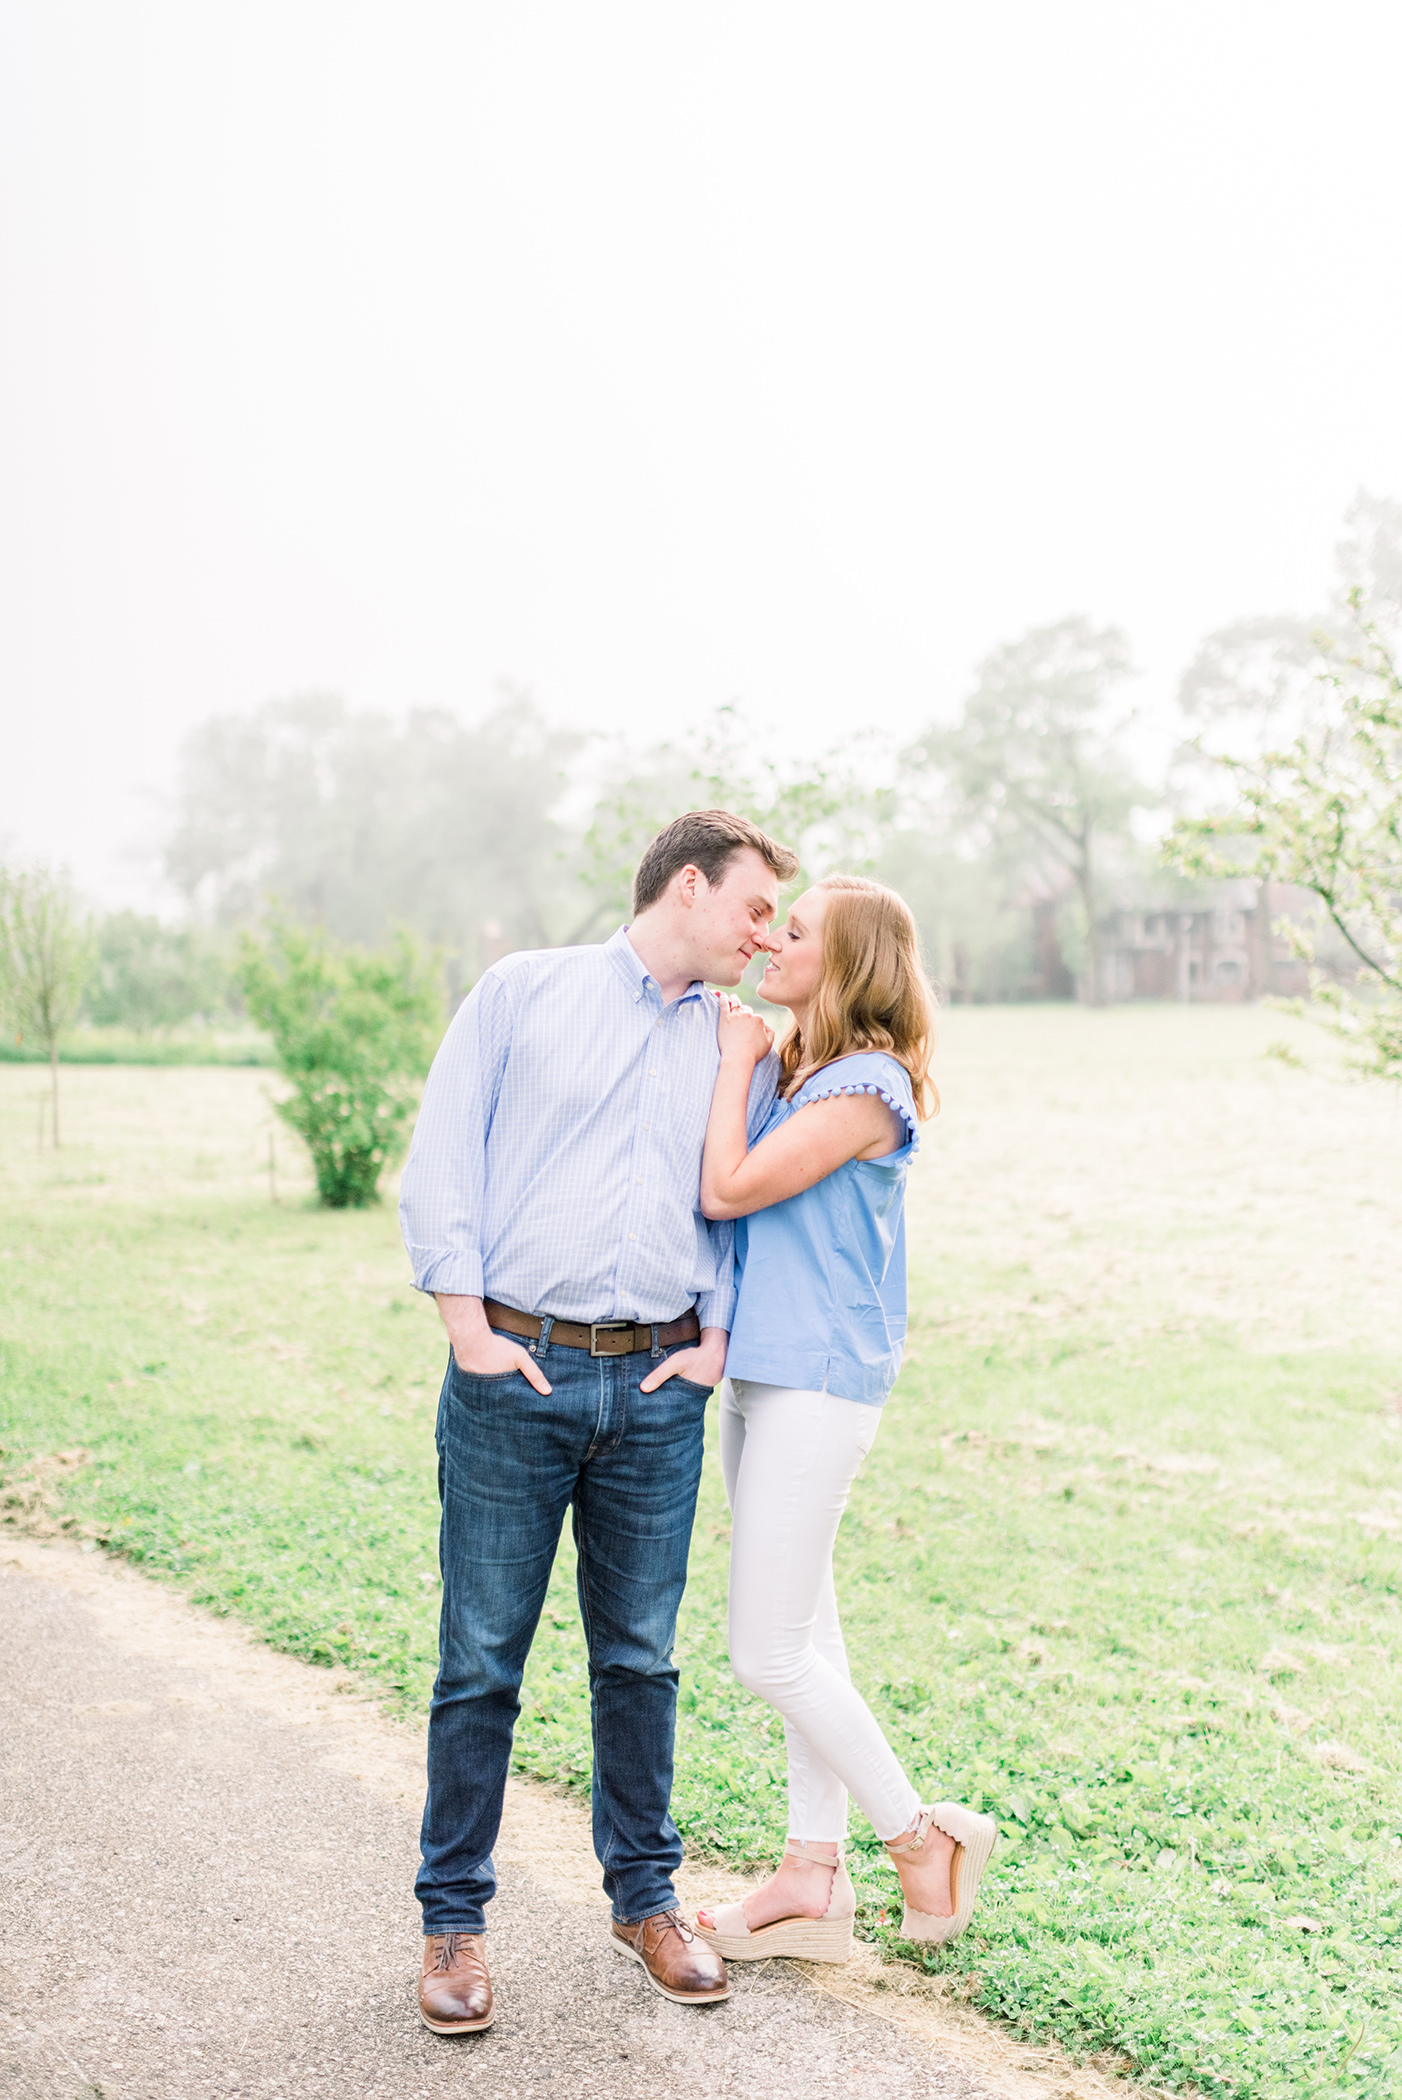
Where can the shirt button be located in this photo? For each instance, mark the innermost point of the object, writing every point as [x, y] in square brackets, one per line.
[632, 1235]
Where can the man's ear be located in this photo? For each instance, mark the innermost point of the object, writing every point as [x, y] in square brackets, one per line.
[687, 879]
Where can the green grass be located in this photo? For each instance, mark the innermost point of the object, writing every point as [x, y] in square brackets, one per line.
[156, 1046]
[1124, 1573]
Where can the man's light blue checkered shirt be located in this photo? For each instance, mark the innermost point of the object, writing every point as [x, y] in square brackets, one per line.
[556, 1162]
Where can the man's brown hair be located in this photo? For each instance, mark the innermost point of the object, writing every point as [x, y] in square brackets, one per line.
[708, 839]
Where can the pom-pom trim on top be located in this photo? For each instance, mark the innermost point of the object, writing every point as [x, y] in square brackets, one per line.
[869, 1086]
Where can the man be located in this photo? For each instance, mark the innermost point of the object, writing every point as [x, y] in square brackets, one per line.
[550, 1204]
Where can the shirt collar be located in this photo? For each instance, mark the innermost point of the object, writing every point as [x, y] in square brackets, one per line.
[634, 971]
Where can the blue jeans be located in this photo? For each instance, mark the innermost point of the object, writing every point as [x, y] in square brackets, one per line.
[511, 1461]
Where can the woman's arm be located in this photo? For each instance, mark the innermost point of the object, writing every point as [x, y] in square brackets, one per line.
[811, 1145]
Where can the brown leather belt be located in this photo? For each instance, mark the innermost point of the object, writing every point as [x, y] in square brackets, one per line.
[599, 1337]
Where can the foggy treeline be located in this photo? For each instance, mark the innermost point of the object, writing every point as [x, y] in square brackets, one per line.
[1016, 829]
[511, 834]
[361, 824]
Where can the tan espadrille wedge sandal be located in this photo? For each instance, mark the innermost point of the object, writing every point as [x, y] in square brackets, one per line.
[828, 1938]
[973, 1837]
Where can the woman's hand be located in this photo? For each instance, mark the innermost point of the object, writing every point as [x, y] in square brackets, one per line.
[744, 1037]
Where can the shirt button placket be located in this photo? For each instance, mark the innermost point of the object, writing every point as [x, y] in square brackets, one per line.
[652, 1073]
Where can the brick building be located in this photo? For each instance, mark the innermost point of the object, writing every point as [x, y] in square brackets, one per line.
[1224, 951]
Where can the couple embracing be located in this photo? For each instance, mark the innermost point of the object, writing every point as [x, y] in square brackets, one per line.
[621, 1196]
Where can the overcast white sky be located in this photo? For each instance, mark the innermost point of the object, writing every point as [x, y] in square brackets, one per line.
[656, 355]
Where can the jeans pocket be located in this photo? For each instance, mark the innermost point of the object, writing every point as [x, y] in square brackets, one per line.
[473, 1381]
[473, 1385]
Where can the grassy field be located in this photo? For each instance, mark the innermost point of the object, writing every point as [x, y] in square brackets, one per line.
[159, 1046]
[1123, 1565]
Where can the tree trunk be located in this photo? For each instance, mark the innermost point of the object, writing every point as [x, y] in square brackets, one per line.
[53, 1068]
[1086, 882]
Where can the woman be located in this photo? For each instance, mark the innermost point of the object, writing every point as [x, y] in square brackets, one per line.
[814, 1350]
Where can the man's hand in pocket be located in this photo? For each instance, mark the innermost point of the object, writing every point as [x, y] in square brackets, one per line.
[703, 1365]
[479, 1352]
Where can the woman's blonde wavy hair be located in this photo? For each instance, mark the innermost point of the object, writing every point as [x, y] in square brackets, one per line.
[872, 993]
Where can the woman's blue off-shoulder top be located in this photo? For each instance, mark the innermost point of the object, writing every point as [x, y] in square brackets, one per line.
[822, 1302]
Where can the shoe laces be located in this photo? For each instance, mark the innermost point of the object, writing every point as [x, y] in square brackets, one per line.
[454, 1948]
[663, 1918]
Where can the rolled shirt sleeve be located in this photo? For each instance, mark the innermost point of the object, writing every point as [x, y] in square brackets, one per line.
[716, 1307]
[441, 1194]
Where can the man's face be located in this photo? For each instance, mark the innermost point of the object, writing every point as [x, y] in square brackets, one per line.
[728, 923]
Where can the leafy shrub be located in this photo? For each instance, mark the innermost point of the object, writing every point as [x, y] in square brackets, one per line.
[354, 1032]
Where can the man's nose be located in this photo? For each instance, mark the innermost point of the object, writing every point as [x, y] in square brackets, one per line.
[768, 940]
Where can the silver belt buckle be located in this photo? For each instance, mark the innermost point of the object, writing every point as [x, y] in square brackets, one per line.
[598, 1327]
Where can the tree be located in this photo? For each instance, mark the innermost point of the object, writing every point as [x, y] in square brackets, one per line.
[45, 956]
[1036, 768]
[148, 975]
[812, 801]
[987, 919]
[1255, 685]
[354, 1034]
[1250, 686]
[1324, 812]
[359, 823]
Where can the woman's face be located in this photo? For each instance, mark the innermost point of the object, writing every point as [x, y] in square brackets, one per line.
[796, 954]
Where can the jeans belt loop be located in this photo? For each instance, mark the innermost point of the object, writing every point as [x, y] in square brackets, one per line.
[542, 1341]
[655, 1349]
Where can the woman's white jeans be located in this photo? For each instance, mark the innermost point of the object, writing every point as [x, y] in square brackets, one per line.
[790, 1458]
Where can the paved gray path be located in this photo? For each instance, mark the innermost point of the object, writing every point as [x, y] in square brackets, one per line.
[198, 1902]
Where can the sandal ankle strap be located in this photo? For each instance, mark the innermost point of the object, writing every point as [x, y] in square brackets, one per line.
[800, 1848]
[913, 1840]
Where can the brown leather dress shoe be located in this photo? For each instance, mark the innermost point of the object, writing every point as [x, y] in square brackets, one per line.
[678, 1964]
[455, 1991]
